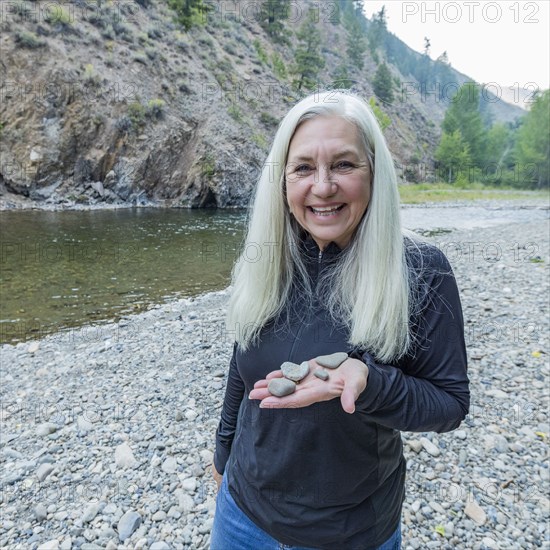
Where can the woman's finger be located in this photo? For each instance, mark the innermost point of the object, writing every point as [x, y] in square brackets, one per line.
[348, 399]
[293, 401]
[259, 393]
[355, 382]
[305, 395]
[274, 374]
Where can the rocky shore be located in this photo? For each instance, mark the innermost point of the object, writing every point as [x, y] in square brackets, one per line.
[108, 431]
[56, 203]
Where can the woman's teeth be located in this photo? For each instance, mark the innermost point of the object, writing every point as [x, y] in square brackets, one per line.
[326, 211]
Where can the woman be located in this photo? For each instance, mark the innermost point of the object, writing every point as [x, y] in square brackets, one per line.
[323, 468]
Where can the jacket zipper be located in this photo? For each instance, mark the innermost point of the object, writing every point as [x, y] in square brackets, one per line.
[319, 258]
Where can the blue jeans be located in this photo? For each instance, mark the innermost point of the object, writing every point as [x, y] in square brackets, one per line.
[233, 530]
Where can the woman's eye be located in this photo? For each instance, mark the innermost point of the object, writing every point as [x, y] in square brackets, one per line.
[344, 164]
[303, 168]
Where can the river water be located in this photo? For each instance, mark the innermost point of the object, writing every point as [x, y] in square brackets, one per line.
[60, 270]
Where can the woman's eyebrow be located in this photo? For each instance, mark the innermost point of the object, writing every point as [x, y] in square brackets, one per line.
[340, 154]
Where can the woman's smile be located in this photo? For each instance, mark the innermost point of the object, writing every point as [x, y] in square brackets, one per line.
[326, 211]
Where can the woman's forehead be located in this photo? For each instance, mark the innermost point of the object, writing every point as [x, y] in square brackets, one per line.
[329, 133]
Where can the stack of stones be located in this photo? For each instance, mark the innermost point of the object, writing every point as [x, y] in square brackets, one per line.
[294, 373]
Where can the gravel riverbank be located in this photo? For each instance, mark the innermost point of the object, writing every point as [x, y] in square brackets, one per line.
[107, 432]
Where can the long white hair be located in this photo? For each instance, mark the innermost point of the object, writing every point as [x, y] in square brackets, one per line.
[368, 289]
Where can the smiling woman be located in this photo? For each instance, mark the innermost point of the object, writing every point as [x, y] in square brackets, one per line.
[322, 467]
[327, 179]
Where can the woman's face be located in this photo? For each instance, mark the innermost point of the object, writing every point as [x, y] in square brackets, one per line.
[327, 179]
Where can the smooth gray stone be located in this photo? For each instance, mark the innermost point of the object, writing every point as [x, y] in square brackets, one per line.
[321, 373]
[332, 361]
[127, 524]
[40, 512]
[281, 387]
[295, 372]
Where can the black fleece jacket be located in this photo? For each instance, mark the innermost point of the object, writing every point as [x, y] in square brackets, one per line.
[317, 476]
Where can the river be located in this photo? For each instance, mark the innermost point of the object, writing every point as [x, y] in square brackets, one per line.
[60, 270]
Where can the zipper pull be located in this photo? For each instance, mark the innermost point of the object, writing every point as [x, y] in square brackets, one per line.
[320, 256]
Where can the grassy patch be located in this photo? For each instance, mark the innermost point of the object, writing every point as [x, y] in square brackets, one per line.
[235, 113]
[259, 140]
[262, 55]
[443, 192]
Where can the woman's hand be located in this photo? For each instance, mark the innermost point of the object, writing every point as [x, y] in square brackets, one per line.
[217, 476]
[347, 382]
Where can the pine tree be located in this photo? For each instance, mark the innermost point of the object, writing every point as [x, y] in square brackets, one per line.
[442, 70]
[452, 155]
[356, 43]
[341, 78]
[358, 6]
[378, 30]
[427, 46]
[308, 57]
[425, 76]
[272, 15]
[189, 12]
[532, 149]
[382, 84]
[499, 146]
[463, 114]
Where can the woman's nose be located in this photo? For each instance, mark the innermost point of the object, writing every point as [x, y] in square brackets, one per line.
[324, 185]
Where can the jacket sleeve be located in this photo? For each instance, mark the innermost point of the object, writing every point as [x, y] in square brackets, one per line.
[225, 433]
[428, 390]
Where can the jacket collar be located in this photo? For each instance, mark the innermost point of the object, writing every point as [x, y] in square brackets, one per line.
[312, 248]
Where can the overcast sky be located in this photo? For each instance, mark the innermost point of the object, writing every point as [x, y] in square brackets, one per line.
[505, 42]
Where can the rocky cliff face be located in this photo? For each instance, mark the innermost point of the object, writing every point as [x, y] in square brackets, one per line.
[115, 103]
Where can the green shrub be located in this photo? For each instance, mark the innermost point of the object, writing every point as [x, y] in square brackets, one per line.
[108, 32]
[123, 31]
[136, 114]
[59, 16]
[140, 57]
[123, 124]
[154, 33]
[27, 39]
[208, 166]
[97, 20]
[151, 53]
[90, 76]
[183, 87]
[268, 120]
[155, 108]
[143, 39]
[278, 66]
[231, 49]
[235, 113]
[383, 119]
[225, 65]
[259, 140]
